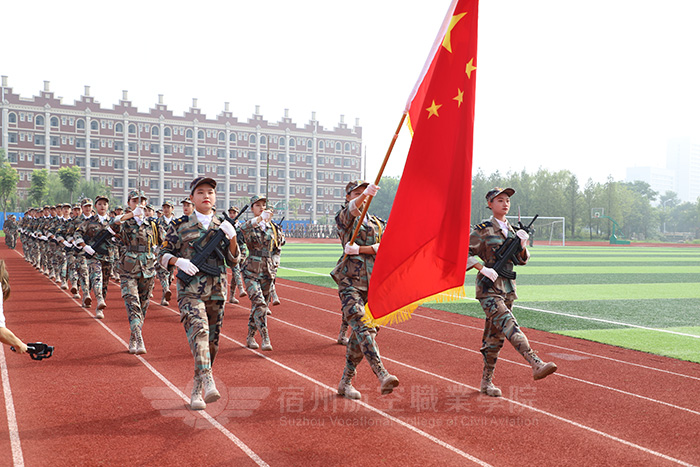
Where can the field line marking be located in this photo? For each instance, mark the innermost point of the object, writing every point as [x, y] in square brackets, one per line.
[521, 404]
[558, 374]
[302, 270]
[13, 429]
[241, 445]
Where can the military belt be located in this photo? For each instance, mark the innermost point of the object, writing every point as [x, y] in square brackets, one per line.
[262, 253]
[137, 248]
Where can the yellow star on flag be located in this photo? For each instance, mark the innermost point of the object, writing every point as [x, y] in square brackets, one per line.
[447, 41]
[433, 109]
[459, 98]
[470, 68]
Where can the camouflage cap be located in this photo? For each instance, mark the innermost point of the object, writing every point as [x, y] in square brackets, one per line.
[66, 205]
[85, 202]
[353, 185]
[76, 206]
[168, 202]
[233, 208]
[497, 191]
[150, 206]
[47, 206]
[201, 181]
[137, 194]
[186, 200]
[118, 207]
[101, 197]
[255, 198]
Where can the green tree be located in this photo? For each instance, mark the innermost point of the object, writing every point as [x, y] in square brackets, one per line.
[70, 177]
[38, 190]
[572, 202]
[8, 180]
[382, 203]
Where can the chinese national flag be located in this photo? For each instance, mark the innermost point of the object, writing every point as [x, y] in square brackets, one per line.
[423, 253]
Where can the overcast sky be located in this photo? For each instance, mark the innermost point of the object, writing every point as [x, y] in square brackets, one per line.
[593, 87]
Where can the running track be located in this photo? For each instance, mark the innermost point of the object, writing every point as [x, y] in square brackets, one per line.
[94, 404]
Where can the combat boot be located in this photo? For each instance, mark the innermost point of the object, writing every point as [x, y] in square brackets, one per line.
[101, 304]
[87, 301]
[275, 299]
[99, 314]
[345, 388]
[132, 344]
[266, 345]
[74, 290]
[164, 302]
[387, 382]
[232, 299]
[243, 293]
[342, 339]
[76, 296]
[64, 286]
[196, 401]
[140, 346]
[210, 393]
[540, 369]
[487, 386]
[167, 295]
[268, 312]
[250, 340]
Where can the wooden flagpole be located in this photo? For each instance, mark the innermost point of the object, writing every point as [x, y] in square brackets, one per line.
[379, 177]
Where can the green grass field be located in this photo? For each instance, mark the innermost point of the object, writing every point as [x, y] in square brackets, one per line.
[646, 299]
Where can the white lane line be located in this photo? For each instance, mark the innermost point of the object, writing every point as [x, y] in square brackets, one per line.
[241, 445]
[17, 457]
[523, 405]
[419, 315]
[306, 272]
[558, 374]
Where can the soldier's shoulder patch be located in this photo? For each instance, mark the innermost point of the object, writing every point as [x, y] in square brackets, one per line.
[179, 221]
[482, 226]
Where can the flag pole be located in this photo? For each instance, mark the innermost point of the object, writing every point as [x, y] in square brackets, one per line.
[379, 177]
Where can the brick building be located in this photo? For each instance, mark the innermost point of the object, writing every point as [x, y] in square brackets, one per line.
[161, 152]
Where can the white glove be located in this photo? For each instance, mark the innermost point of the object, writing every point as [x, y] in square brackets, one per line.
[490, 273]
[186, 266]
[138, 212]
[266, 215]
[109, 229]
[523, 236]
[352, 249]
[89, 250]
[228, 229]
[371, 190]
[67, 244]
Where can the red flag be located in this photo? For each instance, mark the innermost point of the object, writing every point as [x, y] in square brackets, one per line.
[423, 253]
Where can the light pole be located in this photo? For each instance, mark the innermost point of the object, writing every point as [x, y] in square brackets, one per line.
[664, 206]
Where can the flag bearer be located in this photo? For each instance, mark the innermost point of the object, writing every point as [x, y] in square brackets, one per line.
[352, 276]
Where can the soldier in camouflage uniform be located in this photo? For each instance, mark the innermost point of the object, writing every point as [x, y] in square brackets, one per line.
[187, 206]
[497, 297]
[10, 229]
[201, 299]
[120, 247]
[81, 281]
[58, 236]
[137, 268]
[236, 277]
[263, 239]
[98, 257]
[165, 274]
[352, 275]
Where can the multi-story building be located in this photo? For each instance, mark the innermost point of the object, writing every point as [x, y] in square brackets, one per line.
[160, 152]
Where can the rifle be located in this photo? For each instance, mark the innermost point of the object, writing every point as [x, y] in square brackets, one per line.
[203, 252]
[38, 350]
[100, 238]
[505, 255]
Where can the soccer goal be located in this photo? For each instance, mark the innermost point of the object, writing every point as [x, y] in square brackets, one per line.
[550, 229]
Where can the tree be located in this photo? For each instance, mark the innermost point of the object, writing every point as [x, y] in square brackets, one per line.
[70, 177]
[8, 180]
[572, 198]
[38, 190]
[382, 203]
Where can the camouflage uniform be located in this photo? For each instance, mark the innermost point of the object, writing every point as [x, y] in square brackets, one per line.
[352, 274]
[137, 271]
[497, 299]
[99, 264]
[165, 274]
[259, 270]
[201, 301]
[10, 229]
[78, 275]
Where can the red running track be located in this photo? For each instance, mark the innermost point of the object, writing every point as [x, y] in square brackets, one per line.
[94, 404]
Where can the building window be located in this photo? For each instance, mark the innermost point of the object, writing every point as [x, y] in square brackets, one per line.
[132, 146]
[221, 153]
[155, 131]
[39, 120]
[188, 169]
[155, 184]
[80, 124]
[222, 136]
[280, 173]
[189, 151]
[55, 141]
[94, 144]
[292, 143]
[232, 137]
[220, 170]
[200, 134]
[119, 128]
[132, 165]
[12, 157]
[132, 183]
[94, 125]
[168, 149]
[54, 122]
[94, 163]
[132, 129]
[117, 182]
[167, 185]
[155, 149]
[155, 166]
[119, 145]
[167, 167]
[12, 137]
[167, 132]
[12, 118]
[252, 172]
[263, 139]
[118, 164]
[252, 139]
[40, 140]
[188, 134]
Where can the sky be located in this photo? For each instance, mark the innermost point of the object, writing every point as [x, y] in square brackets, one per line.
[592, 87]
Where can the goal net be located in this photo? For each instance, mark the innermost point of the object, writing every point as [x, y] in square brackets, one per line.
[551, 230]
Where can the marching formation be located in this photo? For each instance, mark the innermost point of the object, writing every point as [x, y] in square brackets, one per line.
[81, 247]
